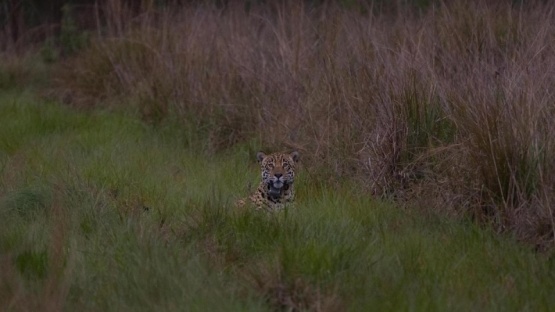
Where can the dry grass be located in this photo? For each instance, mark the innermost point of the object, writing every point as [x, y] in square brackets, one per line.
[450, 108]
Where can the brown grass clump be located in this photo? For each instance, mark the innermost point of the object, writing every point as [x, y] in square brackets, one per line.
[451, 107]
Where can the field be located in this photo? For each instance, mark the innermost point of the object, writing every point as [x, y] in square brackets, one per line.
[426, 142]
[100, 212]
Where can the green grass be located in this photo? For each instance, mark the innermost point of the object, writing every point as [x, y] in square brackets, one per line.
[100, 212]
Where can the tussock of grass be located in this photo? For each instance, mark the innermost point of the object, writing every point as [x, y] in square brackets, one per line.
[107, 214]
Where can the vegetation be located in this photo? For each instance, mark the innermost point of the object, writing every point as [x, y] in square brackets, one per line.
[448, 108]
[425, 130]
[100, 212]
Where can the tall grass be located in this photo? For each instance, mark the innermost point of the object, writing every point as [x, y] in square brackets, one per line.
[100, 212]
[449, 107]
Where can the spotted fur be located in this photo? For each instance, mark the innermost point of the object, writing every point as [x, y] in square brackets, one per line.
[276, 189]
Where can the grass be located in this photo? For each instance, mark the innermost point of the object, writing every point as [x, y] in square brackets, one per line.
[443, 105]
[99, 211]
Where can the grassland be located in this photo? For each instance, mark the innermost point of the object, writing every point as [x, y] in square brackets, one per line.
[446, 107]
[99, 211]
[426, 139]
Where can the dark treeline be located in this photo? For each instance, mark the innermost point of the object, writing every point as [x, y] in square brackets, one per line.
[30, 21]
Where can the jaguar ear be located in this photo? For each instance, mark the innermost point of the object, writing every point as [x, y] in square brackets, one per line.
[260, 156]
[295, 156]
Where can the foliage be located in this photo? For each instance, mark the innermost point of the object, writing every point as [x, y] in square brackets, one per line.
[100, 212]
[447, 107]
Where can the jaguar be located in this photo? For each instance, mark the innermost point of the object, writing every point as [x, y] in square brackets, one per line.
[276, 189]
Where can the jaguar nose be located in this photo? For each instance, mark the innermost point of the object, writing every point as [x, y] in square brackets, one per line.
[278, 175]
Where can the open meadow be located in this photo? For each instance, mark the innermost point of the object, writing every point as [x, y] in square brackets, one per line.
[425, 133]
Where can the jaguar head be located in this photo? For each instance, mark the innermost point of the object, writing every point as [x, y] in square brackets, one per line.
[278, 171]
